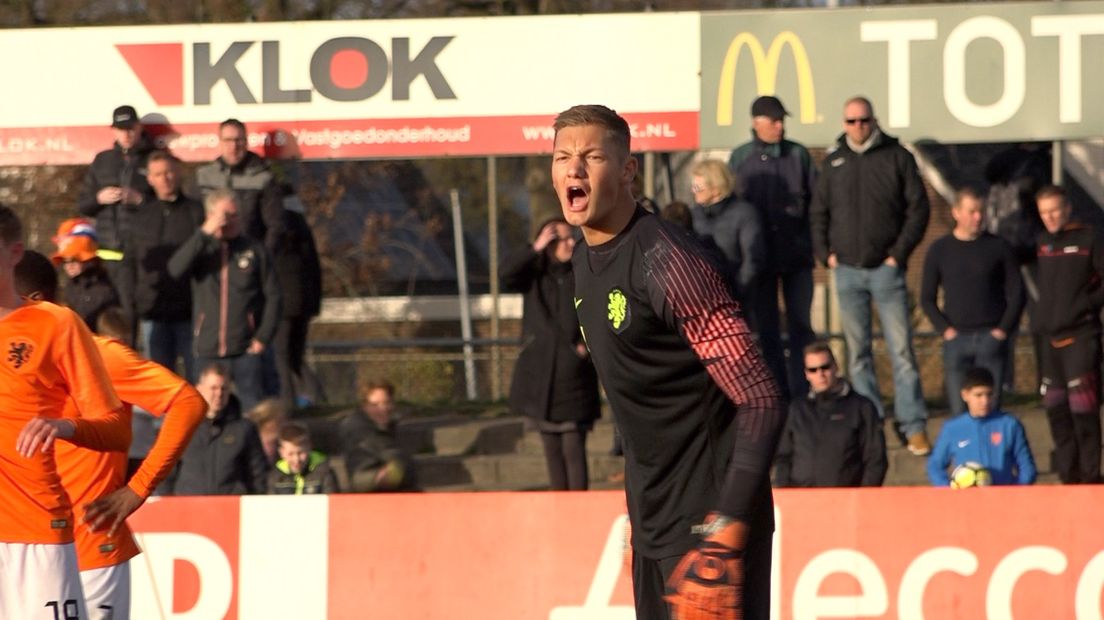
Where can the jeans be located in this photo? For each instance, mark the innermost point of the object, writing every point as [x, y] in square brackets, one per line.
[787, 363]
[856, 287]
[164, 341]
[970, 348]
[246, 373]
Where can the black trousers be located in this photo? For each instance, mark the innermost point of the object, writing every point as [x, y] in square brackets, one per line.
[290, 344]
[650, 579]
[1071, 396]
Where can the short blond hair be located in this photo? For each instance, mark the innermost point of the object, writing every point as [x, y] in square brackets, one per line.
[716, 175]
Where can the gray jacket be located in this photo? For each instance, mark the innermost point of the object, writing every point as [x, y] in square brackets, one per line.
[260, 201]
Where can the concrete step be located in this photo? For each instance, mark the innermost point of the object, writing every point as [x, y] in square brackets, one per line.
[501, 472]
[599, 440]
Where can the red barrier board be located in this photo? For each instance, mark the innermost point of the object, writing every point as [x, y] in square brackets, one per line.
[913, 553]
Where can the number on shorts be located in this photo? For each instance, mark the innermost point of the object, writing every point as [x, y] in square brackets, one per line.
[67, 610]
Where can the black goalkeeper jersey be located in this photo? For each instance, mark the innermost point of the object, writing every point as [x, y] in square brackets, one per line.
[694, 401]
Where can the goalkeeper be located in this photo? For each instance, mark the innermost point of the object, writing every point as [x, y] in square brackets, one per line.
[698, 410]
[984, 435]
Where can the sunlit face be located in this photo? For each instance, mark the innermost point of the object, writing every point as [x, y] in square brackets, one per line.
[979, 400]
[592, 177]
[1055, 213]
[768, 129]
[820, 371]
[858, 121]
[127, 137]
[73, 267]
[163, 177]
[232, 226]
[564, 244]
[704, 193]
[379, 405]
[232, 145]
[296, 455]
[968, 215]
[215, 389]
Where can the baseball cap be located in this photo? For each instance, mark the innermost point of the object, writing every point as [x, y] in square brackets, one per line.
[768, 106]
[124, 117]
[76, 238]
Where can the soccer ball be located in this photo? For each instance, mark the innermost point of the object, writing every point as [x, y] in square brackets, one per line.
[970, 474]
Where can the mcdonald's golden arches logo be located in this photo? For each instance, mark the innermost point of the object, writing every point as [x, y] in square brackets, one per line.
[766, 73]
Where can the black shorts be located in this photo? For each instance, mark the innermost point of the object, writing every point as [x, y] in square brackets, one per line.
[650, 579]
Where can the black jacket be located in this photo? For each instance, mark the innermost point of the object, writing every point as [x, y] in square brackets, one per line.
[89, 294]
[298, 269]
[367, 447]
[1071, 291]
[109, 168]
[260, 201]
[159, 229]
[224, 457]
[869, 206]
[779, 180]
[734, 226]
[551, 381]
[832, 440]
[228, 313]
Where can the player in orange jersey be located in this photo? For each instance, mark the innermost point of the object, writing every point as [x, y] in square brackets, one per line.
[47, 357]
[96, 480]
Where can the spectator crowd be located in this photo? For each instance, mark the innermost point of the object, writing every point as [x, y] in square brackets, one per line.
[221, 287]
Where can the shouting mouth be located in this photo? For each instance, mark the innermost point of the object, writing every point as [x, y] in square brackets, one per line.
[577, 198]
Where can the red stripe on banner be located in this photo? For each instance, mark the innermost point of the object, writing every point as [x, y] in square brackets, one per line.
[347, 139]
[999, 552]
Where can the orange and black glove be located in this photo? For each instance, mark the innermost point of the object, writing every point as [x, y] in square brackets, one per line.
[708, 583]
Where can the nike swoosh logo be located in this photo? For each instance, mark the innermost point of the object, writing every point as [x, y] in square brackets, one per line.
[577, 302]
[963, 444]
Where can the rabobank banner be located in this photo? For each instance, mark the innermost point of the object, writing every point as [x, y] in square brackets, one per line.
[949, 72]
[348, 89]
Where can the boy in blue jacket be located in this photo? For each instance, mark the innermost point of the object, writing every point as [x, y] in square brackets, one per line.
[993, 438]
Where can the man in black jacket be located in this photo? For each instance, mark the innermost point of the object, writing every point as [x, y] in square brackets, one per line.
[161, 303]
[248, 175]
[374, 461]
[224, 456]
[778, 177]
[869, 212]
[114, 185]
[235, 295]
[1067, 317]
[833, 436]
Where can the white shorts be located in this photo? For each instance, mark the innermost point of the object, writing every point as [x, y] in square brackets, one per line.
[107, 592]
[40, 582]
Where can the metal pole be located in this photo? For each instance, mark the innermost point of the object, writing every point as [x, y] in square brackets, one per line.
[492, 253]
[649, 175]
[465, 300]
[1056, 162]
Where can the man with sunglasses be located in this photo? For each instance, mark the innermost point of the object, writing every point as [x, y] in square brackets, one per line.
[869, 212]
[833, 436]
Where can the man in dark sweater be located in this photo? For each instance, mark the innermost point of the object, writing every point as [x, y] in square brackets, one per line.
[833, 436]
[778, 177]
[697, 407]
[982, 297]
[161, 303]
[1067, 317]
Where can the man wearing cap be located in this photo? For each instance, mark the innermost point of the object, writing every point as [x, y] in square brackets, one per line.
[869, 212]
[115, 184]
[778, 177]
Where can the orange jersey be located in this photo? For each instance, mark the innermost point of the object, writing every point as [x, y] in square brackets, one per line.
[88, 474]
[46, 357]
